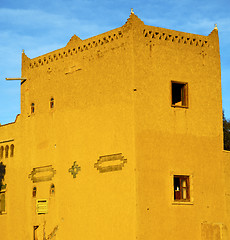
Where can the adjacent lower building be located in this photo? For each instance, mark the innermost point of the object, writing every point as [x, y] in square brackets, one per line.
[119, 137]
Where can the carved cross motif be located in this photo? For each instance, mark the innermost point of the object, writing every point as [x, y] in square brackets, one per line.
[74, 169]
[203, 54]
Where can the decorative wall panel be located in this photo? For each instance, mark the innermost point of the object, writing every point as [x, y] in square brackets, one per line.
[41, 174]
[108, 163]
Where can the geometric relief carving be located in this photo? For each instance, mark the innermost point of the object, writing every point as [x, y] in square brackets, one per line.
[108, 163]
[176, 38]
[41, 174]
[73, 50]
[74, 169]
[203, 54]
[72, 69]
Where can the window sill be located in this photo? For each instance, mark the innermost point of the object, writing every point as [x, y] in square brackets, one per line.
[182, 203]
[176, 106]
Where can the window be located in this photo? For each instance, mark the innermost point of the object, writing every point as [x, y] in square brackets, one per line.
[11, 150]
[52, 190]
[2, 202]
[32, 108]
[6, 151]
[181, 188]
[34, 192]
[179, 94]
[35, 232]
[51, 103]
[1, 152]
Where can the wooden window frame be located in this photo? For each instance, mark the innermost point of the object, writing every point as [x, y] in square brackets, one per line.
[179, 190]
[172, 189]
[183, 95]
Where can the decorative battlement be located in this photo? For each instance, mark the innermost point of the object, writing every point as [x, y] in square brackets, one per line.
[177, 37]
[76, 45]
[85, 45]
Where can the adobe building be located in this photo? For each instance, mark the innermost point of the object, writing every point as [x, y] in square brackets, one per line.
[119, 137]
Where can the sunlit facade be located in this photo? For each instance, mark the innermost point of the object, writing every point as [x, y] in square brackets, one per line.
[119, 137]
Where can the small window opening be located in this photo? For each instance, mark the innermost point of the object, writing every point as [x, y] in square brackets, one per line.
[181, 188]
[11, 150]
[35, 232]
[179, 94]
[7, 151]
[32, 108]
[51, 103]
[1, 152]
[2, 202]
[34, 192]
[52, 189]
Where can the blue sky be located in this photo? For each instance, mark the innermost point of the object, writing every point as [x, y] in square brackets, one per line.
[42, 26]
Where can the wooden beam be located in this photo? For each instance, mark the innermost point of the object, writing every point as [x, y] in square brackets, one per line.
[12, 79]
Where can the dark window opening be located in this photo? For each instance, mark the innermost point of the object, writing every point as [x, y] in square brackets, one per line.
[179, 94]
[2, 202]
[11, 150]
[35, 232]
[51, 103]
[34, 192]
[6, 151]
[1, 152]
[52, 189]
[32, 108]
[181, 188]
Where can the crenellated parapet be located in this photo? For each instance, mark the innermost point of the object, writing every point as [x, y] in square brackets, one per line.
[175, 37]
[76, 46]
[153, 35]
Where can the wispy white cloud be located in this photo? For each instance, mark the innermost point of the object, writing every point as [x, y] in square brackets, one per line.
[24, 20]
[37, 30]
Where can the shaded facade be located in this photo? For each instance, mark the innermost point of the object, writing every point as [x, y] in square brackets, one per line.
[119, 137]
